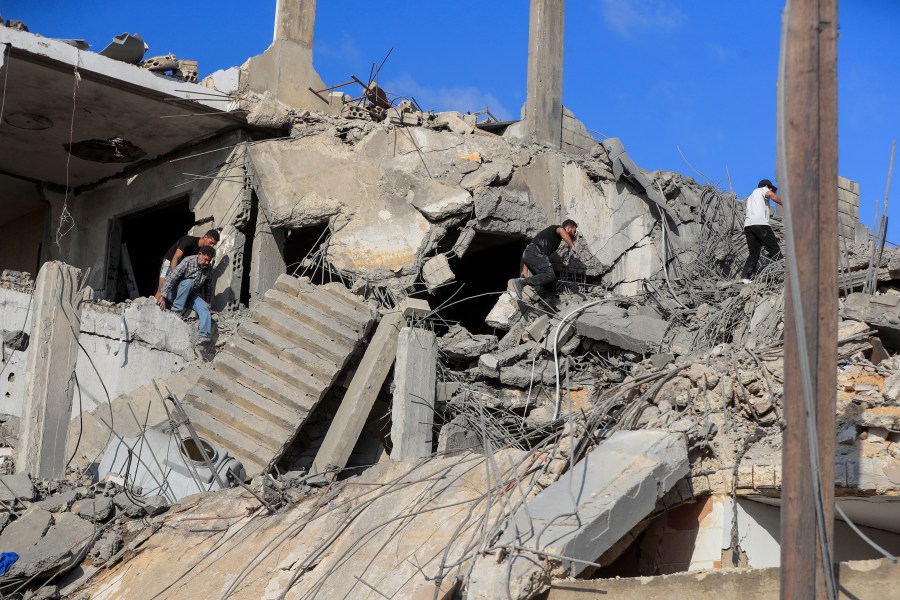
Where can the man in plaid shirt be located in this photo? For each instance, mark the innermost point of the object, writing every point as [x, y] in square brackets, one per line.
[190, 286]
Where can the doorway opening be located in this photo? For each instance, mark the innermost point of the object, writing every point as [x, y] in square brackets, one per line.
[490, 261]
[137, 244]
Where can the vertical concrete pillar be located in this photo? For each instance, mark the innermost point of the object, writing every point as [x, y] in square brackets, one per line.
[412, 409]
[543, 104]
[50, 371]
[295, 21]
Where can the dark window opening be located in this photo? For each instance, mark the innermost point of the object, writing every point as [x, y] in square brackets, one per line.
[490, 261]
[304, 252]
[146, 235]
[249, 231]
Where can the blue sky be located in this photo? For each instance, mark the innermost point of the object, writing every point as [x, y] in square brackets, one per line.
[698, 75]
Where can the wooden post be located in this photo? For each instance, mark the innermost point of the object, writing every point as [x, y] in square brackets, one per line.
[808, 177]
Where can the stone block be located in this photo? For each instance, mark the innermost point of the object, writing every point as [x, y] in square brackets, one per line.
[538, 328]
[412, 409]
[414, 308]
[505, 313]
[611, 324]
[436, 272]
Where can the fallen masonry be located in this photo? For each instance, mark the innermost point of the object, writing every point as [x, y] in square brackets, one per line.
[379, 413]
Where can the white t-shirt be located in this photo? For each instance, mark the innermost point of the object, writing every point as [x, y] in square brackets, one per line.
[757, 208]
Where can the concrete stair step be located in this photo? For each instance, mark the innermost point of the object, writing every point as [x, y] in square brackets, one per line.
[283, 415]
[355, 315]
[261, 383]
[233, 415]
[299, 309]
[300, 333]
[289, 373]
[284, 348]
[246, 449]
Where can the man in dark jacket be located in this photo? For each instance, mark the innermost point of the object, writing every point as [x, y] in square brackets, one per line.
[187, 245]
[190, 286]
[537, 255]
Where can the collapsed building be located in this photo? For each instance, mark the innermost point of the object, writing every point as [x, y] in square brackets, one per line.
[381, 416]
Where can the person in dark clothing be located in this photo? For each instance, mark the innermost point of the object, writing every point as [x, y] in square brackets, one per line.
[187, 245]
[537, 255]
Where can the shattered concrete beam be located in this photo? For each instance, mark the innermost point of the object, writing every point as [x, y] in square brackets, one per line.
[412, 411]
[360, 397]
[50, 372]
[616, 485]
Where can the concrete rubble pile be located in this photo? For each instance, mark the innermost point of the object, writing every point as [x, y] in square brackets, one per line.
[381, 414]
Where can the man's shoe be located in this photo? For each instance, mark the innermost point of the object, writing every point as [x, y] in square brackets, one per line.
[204, 341]
[518, 287]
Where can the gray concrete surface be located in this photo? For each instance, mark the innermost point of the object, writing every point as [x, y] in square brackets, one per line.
[543, 101]
[412, 410]
[50, 369]
[360, 396]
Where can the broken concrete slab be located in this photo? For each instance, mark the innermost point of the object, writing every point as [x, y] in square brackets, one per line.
[881, 312]
[60, 502]
[465, 346]
[538, 328]
[97, 509]
[612, 325]
[458, 436]
[360, 396]
[591, 506]
[414, 308]
[26, 531]
[64, 540]
[412, 410]
[505, 312]
[16, 487]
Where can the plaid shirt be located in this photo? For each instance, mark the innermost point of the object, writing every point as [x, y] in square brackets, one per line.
[190, 268]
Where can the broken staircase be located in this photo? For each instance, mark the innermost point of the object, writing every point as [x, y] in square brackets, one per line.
[257, 393]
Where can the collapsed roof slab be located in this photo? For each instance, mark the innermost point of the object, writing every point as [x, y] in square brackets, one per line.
[45, 109]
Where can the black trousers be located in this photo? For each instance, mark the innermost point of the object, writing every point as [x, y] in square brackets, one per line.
[758, 237]
[539, 264]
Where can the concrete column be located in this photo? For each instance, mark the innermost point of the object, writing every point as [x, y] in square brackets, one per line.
[50, 372]
[361, 394]
[295, 21]
[412, 410]
[543, 104]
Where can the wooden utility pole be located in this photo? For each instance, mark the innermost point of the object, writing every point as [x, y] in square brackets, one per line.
[807, 173]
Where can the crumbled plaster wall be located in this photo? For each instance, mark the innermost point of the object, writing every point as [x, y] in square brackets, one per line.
[217, 194]
[158, 343]
[391, 193]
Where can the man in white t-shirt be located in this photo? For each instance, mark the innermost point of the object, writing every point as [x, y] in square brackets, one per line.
[756, 227]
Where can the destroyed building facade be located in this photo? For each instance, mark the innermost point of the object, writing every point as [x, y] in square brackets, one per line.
[373, 375]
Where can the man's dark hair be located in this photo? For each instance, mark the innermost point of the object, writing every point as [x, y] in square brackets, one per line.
[207, 251]
[214, 234]
[568, 222]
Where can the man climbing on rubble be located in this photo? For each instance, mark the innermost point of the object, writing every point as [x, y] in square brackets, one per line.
[190, 286]
[537, 255]
[757, 229]
[187, 245]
